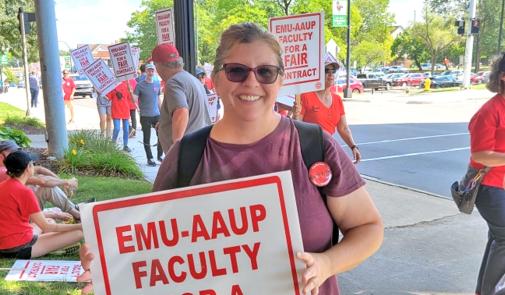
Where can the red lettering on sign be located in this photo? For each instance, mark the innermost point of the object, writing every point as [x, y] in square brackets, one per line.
[258, 213]
[157, 274]
[122, 239]
[138, 274]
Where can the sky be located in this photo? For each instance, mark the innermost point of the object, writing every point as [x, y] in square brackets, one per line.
[104, 21]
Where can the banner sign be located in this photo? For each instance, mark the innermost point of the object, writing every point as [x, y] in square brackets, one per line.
[45, 271]
[82, 58]
[101, 77]
[339, 9]
[122, 61]
[165, 26]
[302, 42]
[230, 237]
[136, 56]
[212, 100]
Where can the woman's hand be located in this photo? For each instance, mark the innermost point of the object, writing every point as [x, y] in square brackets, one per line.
[63, 216]
[356, 154]
[316, 272]
[86, 257]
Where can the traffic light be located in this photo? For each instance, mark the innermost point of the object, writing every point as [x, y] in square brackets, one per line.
[461, 26]
[475, 26]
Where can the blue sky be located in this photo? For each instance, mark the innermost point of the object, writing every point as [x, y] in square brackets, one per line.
[104, 21]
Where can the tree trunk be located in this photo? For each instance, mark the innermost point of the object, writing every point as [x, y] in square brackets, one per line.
[477, 53]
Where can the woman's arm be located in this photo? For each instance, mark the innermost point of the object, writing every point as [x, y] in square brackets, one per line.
[363, 231]
[39, 219]
[345, 132]
[489, 158]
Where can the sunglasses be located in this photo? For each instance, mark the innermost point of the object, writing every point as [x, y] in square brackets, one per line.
[265, 74]
[330, 70]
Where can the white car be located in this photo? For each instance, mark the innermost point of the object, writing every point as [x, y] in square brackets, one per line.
[83, 86]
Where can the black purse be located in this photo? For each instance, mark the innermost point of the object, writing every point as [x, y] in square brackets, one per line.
[465, 191]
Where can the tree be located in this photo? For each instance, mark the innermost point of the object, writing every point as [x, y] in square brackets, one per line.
[370, 53]
[407, 45]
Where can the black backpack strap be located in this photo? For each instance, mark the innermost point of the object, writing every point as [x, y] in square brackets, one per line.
[191, 150]
[311, 142]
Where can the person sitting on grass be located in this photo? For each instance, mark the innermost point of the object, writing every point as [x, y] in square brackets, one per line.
[46, 186]
[18, 205]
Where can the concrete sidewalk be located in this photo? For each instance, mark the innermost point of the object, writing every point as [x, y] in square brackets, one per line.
[429, 247]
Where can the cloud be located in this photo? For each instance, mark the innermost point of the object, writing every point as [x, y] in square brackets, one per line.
[93, 21]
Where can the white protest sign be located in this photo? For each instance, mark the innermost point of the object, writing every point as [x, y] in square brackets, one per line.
[212, 100]
[82, 57]
[230, 237]
[286, 100]
[302, 42]
[45, 271]
[136, 56]
[165, 26]
[101, 77]
[122, 61]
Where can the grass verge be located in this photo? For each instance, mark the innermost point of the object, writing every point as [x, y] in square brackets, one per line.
[6, 110]
[102, 188]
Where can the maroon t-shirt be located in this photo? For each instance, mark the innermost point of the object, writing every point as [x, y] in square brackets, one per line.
[278, 151]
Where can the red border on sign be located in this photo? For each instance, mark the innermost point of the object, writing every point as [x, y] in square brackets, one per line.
[110, 53]
[320, 43]
[193, 192]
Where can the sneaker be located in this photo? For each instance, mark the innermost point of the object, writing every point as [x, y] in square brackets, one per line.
[126, 149]
[69, 250]
[151, 163]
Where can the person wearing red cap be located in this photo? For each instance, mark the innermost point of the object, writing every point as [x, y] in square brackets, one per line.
[326, 109]
[184, 108]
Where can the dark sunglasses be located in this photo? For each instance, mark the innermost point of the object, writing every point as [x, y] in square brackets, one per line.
[265, 74]
[330, 70]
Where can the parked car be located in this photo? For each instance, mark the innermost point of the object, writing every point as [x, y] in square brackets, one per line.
[83, 86]
[475, 79]
[21, 84]
[484, 76]
[412, 79]
[390, 78]
[355, 85]
[372, 80]
[442, 82]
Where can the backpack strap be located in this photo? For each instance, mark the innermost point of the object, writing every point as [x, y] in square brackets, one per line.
[191, 150]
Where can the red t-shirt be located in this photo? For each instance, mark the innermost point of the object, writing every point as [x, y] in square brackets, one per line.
[68, 86]
[120, 108]
[133, 84]
[17, 203]
[487, 133]
[314, 111]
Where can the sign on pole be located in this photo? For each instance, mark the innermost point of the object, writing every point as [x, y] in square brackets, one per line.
[45, 271]
[339, 9]
[122, 61]
[230, 237]
[101, 77]
[82, 58]
[302, 42]
[165, 26]
[212, 100]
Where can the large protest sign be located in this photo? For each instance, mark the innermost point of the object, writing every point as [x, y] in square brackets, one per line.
[101, 77]
[302, 42]
[212, 101]
[230, 237]
[82, 58]
[122, 61]
[45, 271]
[136, 56]
[165, 26]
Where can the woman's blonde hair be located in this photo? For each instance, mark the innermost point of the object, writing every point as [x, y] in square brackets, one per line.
[495, 83]
[245, 33]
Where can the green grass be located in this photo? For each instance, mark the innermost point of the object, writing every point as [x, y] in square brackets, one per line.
[19, 121]
[6, 110]
[102, 188]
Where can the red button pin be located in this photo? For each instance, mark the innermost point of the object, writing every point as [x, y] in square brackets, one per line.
[320, 174]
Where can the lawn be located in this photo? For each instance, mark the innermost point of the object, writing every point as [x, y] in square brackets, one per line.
[101, 188]
[9, 111]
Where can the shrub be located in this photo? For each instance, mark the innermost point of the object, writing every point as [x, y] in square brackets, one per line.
[18, 136]
[90, 154]
[23, 121]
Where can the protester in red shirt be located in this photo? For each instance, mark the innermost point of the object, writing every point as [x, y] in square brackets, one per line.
[487, 142]
[19, 206]
[68, 93]
[120, 98]
[132, 83]
[326, 108]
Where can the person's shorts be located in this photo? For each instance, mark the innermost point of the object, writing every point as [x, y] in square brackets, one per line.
[20, 252]
[104, 110]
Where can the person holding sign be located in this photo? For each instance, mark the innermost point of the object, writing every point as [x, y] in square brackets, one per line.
[251, 139]
[19, 206]
[119, 98]
[326, 109]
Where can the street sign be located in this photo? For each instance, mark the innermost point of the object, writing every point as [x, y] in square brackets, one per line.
[339, 8]
[3, 59]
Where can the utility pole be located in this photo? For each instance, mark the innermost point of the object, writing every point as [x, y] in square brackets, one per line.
[348, 90]
[469, 45]
[498, 51]
[185, 32]
[22, 27]
[57, 141]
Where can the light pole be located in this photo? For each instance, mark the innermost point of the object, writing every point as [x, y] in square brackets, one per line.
[501, 27]
[347, 90]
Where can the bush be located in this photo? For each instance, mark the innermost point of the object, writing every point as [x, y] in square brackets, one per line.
[24, 121]
[18, 136]
[90, 154]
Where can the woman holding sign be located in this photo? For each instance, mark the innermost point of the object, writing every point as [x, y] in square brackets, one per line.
[251, 139]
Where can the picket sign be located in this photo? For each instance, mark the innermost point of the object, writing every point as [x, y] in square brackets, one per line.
[82, 58]
[122, 61]
[45, 271]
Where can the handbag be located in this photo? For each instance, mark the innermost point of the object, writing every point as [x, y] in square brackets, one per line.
[465, 191]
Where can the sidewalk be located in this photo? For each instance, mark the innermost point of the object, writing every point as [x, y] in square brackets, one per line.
[429, 248]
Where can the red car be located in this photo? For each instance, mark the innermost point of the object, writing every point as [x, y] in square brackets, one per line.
[341, 84]
[412, 79]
